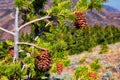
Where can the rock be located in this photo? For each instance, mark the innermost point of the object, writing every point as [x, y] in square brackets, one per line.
[100, 56]
[106, 64]
[117, 68]
[107, 76]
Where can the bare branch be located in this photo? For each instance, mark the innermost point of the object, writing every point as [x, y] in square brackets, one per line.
[30, 22]
[30, 44]
[16, 35]
[6, 31]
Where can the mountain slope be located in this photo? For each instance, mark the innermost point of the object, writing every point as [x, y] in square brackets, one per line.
[107, 16]
[6, 17]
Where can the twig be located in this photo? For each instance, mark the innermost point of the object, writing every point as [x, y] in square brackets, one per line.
[30, 22]
[12, 33]
[30, 44]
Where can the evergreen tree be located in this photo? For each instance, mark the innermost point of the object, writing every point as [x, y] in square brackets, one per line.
[52, 25]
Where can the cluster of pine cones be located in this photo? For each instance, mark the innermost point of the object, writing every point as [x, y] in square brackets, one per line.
[80, 21]
[43, 61]
[59, 67]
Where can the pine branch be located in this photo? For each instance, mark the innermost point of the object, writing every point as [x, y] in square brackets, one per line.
[41, 32]
[12, 33]
[30, 44]
[30, 22]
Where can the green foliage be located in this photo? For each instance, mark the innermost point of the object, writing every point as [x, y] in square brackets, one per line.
[61, 10]
[65, 62]
[10, 70]
[109, 34]
[83, 39]
[78, 41]
[114, 34]
[99, 33]
[104, 48]
[82, 59]
[19, 3]
[4, 78]
[86, 39]
[82, 73]
[82, 5]
[96, 4]
[22, 3]
[61, 40]
[85, 72]
[95, 65]
[4, 46]
[54, 41]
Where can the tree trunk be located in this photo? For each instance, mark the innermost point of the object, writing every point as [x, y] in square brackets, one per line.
[16, 36]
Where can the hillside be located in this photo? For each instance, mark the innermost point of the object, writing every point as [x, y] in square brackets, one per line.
[110, 62]
[6, 16]
[107, 16]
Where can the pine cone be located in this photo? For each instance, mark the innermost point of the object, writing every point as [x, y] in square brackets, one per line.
[80, 20]
[11, 51]
[43, 60]
[59, 67]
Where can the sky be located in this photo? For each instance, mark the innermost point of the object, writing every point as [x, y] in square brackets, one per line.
[114, 3]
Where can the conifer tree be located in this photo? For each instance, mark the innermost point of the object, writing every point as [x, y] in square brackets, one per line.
[33, 12]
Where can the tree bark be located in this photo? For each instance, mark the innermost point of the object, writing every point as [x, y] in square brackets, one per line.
[16, 35]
